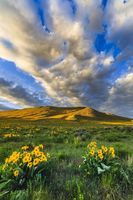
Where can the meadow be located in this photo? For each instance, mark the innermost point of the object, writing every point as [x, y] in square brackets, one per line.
[66, 142]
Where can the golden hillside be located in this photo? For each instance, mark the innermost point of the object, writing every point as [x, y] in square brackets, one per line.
[68, 113]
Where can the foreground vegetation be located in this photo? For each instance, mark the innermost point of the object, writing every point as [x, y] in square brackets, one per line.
[102, 171]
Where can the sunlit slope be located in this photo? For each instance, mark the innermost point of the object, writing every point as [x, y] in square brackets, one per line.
[51, 113]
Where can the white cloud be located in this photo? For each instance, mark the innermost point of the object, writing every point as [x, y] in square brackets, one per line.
[120, 99]
[119, 18]
[64, 60]
[39, 53]
[10, 91]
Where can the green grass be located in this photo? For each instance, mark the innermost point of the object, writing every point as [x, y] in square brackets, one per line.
[66, 142]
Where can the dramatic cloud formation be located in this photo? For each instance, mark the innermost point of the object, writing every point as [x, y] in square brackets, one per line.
[121, 95]
[54, 42]
[120, 30]
[18, 94]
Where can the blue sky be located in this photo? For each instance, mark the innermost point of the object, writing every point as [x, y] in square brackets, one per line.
[67, 53]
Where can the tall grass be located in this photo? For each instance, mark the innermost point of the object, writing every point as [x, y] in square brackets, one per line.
[66, 144]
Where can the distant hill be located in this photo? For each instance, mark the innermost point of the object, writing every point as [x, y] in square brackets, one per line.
[62, 113]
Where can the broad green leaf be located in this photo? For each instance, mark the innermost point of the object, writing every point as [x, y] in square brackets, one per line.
[105, 166]
[100, 170]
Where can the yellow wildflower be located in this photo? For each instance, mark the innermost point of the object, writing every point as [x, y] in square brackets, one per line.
[112, 151]
[100, 151]
[7, 160]
[16, 173]
[36, 161]
[113, 155]
[25, 148]
[30, 164]
[36, 149]
[3, 167]
[92, 144]
[43, 158]
[38, 153]
[100, 156]
[41, 146]
[105, 149]
[28, 154]
[29, 159]
[92, 152]
[26, 159]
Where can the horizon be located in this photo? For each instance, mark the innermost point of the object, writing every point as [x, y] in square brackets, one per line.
[70, 53]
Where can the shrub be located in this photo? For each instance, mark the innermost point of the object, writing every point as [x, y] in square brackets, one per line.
[106, 172]
[99, 160]
[22, 166]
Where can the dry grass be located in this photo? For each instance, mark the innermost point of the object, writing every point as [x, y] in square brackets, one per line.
[69, 114]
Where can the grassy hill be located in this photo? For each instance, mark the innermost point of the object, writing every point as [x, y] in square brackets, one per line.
[62, 113]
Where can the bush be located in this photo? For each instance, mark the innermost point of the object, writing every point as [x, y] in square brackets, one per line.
[104, 171]
[21, 167]
[97, 160]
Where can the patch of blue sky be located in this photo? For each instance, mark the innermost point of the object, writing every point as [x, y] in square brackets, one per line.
[41, 14]
[104, 3]
[121, 69]
[40, 11]
[102, 45]
[73, 6]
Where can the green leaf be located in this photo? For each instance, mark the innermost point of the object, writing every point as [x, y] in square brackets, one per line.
[2, 194]
[4, 184]
[100, 170]
[105, 166]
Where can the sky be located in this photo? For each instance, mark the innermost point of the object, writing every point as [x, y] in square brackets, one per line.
[67, 53]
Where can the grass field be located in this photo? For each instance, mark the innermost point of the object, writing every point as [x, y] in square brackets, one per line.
[66, 142]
